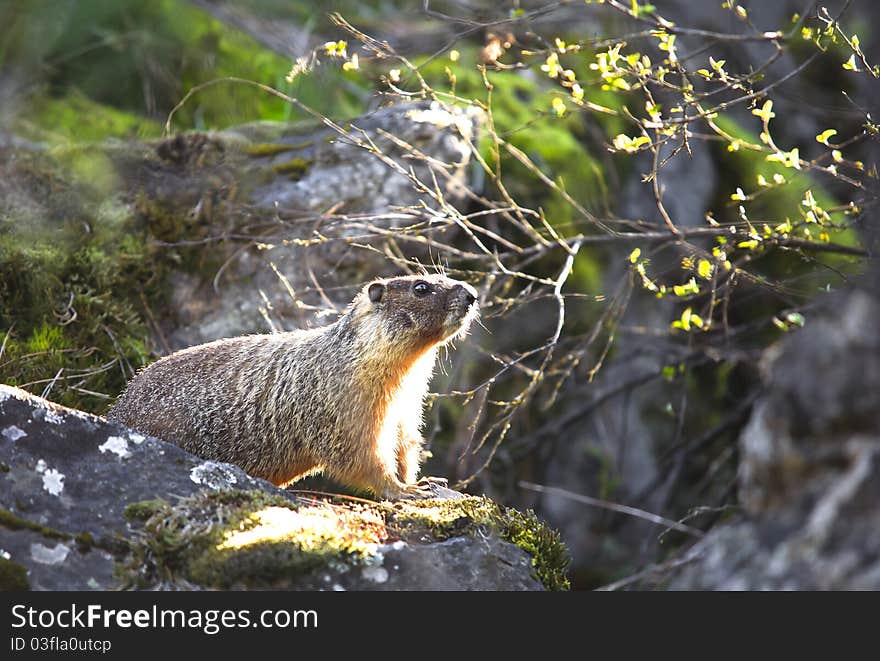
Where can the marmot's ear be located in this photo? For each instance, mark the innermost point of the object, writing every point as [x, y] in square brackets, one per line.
[375, 291]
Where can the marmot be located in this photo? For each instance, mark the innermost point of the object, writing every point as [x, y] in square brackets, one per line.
[345, 399]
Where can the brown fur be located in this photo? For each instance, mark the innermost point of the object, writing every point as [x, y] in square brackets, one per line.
[345, 399]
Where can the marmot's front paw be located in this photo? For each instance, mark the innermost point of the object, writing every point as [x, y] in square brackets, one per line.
[438, 488]
[418, 491]
[426, 487]
[430, 480]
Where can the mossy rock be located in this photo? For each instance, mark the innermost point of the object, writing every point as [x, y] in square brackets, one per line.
[89, 235]
[448, 518]
[236, 539]
[13, 576]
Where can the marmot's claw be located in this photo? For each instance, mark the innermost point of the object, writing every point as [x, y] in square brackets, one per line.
[418, 491]
[426, 487]
[429, 480]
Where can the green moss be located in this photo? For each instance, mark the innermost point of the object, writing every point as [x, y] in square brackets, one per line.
[232, 538]
[12, 522]
[442, 519]
[89, 170]
[13, 576]
[294, 168]
[76, 274]
[70, 313]
[142, 510]
[145, 58]
[85, 541]
[236, 538]
[262, 149]
[549, 555]
[76, 117]
[449, 518]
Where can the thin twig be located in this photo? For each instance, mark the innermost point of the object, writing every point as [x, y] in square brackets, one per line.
[614, 507]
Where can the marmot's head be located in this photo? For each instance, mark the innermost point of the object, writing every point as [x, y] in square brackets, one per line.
[420, 311]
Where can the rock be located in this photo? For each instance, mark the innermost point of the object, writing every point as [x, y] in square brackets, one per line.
[89, 504]
[322, 172]
[464, 564]
[265, 205]
[66, 479]
[341, 170]
[810, 465]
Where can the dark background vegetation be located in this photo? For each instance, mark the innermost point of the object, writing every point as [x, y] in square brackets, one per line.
[639, 396]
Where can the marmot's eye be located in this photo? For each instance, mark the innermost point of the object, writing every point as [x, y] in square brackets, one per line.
[421, 289]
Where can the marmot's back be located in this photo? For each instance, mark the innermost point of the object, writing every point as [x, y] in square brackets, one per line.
[209, 398]
[346, 399]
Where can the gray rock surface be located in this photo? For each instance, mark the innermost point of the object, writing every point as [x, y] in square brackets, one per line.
[74, 473]
[460, 563]
[66, 478]
[810, 465]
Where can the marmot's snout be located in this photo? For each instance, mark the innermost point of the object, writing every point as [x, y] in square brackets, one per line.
[466, 293]
[462, 310]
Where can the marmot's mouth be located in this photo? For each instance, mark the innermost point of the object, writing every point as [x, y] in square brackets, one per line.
[458, 320]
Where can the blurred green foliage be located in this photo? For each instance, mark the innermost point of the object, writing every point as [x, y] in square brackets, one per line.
[72, 310]
[89, 70]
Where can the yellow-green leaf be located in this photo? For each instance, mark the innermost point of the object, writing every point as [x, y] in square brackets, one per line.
[558, 106]
[766, 112]
[352, 65]
[688, 320]
[795, 318]
[704, 268]
[784, 228]
[551, 65]
[335, 48]
[789, 159]
[634, 255]
[690, 287]
[625, 143]
[825, 135]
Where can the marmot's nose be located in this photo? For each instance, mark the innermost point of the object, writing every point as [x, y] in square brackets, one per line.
[468, 293]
